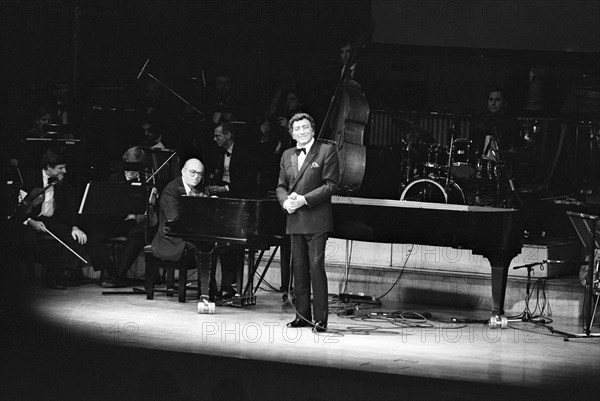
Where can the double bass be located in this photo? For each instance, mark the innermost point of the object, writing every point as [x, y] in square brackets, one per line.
[344, 126]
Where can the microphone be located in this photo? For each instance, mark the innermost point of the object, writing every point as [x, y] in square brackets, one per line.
[528, 265]
[15, 164]
[143, 69]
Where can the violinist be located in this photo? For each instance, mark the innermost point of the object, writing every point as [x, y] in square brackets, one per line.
[48, 206]
[132, 227]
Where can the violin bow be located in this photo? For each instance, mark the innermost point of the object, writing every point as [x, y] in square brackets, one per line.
[65, 245]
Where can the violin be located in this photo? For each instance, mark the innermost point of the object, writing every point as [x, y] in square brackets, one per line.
[34, 198]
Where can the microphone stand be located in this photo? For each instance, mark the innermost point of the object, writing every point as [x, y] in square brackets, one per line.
[526, 315]
[449, 165]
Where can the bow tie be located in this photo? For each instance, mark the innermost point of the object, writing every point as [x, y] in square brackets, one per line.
[300, 150]
[226, 153]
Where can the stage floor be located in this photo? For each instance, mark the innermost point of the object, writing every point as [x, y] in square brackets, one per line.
[81, 344]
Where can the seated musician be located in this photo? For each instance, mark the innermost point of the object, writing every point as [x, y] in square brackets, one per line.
[131, 226]
[169, 248]
[235, 175]
[497, 123]
[52, 211]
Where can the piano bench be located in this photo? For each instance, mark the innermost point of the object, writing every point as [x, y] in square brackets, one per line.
[187, 262]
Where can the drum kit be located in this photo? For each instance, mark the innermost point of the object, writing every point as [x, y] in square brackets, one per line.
[431, 172]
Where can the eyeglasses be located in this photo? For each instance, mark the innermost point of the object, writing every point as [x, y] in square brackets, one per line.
[194, 172]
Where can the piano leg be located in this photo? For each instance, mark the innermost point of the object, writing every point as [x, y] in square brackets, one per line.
[245, 295]
[500, 263]
[204, 273]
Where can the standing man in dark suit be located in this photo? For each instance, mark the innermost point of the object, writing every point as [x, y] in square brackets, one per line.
[235, 175]
[170, 248]
[308, 177]
[56, 212]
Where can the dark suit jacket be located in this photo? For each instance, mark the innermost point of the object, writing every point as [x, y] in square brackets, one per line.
[316, 181]
[65, 208]
[243, 171]
[163, 247]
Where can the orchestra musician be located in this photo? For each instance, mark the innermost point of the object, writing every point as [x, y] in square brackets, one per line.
[235, 175]
[132, 227]
[308, 177]
[52, 210]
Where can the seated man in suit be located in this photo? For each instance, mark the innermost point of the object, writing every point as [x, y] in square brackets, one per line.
[235, 175]
[131, 226]
[52, 211]
[169, 248]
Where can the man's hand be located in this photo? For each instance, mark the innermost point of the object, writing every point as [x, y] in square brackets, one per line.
[216, 189]
[287, 206]
[297, 201]
[38, 226]
[78, 235]
[294, 202]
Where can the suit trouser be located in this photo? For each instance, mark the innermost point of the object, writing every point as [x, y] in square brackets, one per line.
[99, 254]
[285, 249]
[232, 260]
[57, 259]
[308, 265]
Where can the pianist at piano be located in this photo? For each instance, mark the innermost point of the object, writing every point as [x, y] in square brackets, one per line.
[169, 248]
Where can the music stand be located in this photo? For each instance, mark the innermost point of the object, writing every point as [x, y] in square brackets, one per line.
[587, 230]
[112, 197]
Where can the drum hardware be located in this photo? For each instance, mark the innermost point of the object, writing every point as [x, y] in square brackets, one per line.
[428, 190]
[463, 164]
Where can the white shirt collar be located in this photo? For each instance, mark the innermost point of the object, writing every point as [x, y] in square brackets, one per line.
[188, 189]
[45, 177]
[308, 145]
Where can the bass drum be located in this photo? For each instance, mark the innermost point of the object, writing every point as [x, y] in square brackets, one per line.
[426, 190]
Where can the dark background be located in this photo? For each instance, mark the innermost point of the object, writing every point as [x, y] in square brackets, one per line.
[92, 51]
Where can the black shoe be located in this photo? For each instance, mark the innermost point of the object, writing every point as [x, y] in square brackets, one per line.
[319, 327]
[299, 323]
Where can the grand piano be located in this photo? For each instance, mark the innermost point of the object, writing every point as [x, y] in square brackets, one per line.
[214, 224]
[495, 233]
[257, 224]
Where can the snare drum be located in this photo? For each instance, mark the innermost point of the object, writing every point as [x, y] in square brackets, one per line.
[426, 190]
[462, 158]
